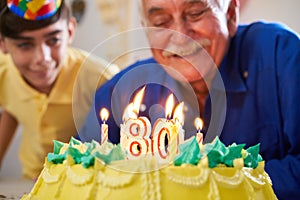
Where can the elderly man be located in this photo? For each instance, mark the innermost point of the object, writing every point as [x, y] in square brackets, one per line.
[197, 43]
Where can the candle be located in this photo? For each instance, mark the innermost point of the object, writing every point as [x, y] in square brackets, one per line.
[135, 137]
[167, 128]
[161, 130]
[132, 109]
[169, 106]
[135, 131]
[179, 120]
[104, 114]
[199, 125]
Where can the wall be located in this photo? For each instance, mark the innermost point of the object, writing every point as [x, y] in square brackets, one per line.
[284, 11]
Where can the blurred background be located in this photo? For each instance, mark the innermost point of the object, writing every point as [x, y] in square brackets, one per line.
[100, 20]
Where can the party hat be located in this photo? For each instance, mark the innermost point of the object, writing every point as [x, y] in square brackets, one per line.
[34, 9]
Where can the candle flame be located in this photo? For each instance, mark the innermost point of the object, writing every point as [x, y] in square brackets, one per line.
[178, 113]
[104, 114]
[198, 123]
[138, 100]
[169, 106]
[129, 113]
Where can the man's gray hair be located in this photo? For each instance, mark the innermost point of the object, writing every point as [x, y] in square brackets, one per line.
[221, 4]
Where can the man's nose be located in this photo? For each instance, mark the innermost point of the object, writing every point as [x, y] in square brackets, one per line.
[179, 33]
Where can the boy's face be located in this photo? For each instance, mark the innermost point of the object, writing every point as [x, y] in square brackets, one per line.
[39, 54]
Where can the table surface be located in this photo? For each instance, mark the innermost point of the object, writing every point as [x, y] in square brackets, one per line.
[14, 188]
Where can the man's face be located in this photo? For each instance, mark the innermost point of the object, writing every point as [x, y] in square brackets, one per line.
[39, 54]
[186, 29]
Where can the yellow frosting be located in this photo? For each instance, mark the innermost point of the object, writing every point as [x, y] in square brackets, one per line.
[144, 179]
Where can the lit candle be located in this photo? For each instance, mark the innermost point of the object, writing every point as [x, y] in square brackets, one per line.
[132, 109]
[135, 131]
[179, 120]
[167, 128]
[169, 106]
[199, 125]
[104, 114]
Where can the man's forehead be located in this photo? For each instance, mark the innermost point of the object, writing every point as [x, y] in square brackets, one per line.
[210, 2]
[149, 4]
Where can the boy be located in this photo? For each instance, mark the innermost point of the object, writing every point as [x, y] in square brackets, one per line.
[38, 92]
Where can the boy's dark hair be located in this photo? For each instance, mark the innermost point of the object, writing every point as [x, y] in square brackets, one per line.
[12, 25]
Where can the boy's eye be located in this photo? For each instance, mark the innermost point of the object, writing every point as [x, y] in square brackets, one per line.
[25, 45]
[54, 41]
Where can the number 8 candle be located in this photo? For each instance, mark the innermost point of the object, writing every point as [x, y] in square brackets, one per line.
[135, 131]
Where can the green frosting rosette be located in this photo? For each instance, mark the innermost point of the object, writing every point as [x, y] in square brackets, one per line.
[234, 152]
[85, 153]
[252, 156]
[189, 153]
[217, 154]
[56, 157]
[116, 153]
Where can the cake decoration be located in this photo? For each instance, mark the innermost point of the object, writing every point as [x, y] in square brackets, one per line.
[85, 153]
[189, 153]
[112, 176]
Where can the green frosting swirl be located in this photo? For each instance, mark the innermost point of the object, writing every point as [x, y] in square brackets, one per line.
[115, 154]
[56, 158]
[189, 152]
[252, 156]
[87, 158]
[57, 146]
[217, 153]
[234, 152]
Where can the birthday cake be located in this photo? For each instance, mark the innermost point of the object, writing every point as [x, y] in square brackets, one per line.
[211, 171]
[152, 163]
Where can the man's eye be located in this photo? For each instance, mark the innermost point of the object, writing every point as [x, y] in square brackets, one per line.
[161, 20]
[195, 15]
[160, 23]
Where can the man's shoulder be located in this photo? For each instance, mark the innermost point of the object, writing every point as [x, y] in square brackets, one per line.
[264, 32]
[261, 38]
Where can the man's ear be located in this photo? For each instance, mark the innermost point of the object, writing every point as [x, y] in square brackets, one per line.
[72, 24]
[232, 16]
[2, 45]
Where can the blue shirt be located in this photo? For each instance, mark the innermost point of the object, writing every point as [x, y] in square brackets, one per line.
[260, 104]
